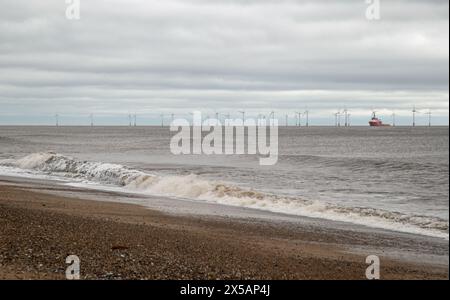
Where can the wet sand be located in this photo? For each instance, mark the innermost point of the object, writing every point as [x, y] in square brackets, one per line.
[38, 230]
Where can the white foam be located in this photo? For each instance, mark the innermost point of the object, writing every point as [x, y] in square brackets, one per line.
[195, 188]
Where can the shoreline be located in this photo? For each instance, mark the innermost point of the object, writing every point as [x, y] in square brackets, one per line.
[127, 241]
[173, 204]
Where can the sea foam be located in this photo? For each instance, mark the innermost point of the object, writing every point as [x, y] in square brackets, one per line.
[194, 187]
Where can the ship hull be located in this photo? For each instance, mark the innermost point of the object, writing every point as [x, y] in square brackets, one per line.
[378, 125]
[375, 123]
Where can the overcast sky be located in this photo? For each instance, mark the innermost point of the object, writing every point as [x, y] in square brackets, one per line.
[151, 57]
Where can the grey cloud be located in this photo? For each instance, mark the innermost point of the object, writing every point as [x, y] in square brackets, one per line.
[219, 54]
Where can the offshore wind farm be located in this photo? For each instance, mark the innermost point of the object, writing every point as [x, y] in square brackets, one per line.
[422, 117]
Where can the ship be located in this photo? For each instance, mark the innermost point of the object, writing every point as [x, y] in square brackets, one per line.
[375, 122]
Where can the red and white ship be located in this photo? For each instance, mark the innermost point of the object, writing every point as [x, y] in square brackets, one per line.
[375, 122]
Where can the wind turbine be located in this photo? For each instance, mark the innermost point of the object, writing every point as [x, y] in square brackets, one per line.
[393, 119]
[299, 114]
[172, 116]
[217, 118]
[429, 113]
[272, 118]
[135, 120]
[57, 120]
[345, 111]
[414, 111]
[337, 119]
[306, 113]
[129, 119]
[91, 116]
[162, 120]
[287, 120]
[263, 119]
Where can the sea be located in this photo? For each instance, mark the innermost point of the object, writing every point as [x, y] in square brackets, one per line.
[394, 178]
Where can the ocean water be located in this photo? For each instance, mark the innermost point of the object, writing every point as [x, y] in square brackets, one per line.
[392, 178]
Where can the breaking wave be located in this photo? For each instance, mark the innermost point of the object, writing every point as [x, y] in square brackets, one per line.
[196, 188]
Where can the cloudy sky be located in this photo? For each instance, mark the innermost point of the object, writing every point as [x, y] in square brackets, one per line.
[151, 57]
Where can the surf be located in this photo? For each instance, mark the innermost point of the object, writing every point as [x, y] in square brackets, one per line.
[194, 187]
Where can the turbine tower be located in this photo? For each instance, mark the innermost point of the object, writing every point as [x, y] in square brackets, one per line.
[162, 120]
[135, 120]
[272, 118]
[57, 120]
[243, 116]
[272, 115]
[299, 114]
[393, 119]
[217, 118]
[429, 113]
[307, 117]
[129, 120]
[337, 119]
[345, 111]
[91, 116]
[414, 111]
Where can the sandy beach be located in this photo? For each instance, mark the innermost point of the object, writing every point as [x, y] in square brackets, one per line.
[39, 228]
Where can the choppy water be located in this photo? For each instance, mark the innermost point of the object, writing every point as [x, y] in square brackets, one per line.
[394, 178]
